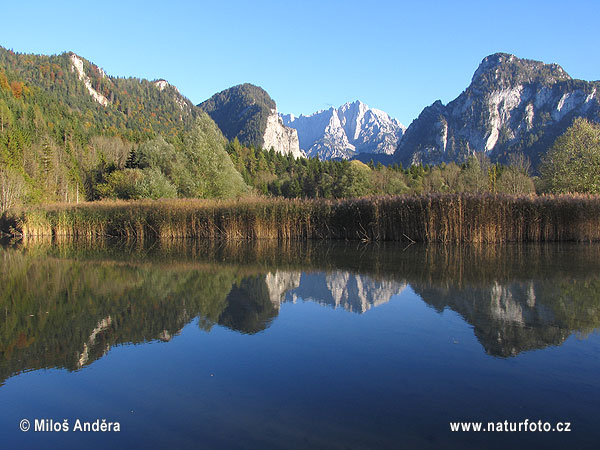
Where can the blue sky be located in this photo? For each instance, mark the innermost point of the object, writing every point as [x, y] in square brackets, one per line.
[309, 55]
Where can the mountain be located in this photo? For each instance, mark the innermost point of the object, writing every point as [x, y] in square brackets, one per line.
[512, 105]
[346, 131]
[248, 113]
[70, 92]
[70, 132]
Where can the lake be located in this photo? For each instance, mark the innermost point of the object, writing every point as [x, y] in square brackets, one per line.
[299, 345]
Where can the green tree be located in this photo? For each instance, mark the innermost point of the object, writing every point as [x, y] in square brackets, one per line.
[356, 181]
[476, 175]
[514, 179]
[12, 189]
[573, 162]
[132, 184]
[213, 172]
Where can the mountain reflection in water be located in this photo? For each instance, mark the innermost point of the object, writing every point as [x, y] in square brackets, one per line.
[67, 305]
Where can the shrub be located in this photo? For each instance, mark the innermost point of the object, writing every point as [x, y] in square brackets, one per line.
[131, 184]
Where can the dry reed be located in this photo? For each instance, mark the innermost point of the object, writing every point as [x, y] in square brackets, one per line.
[446, 218]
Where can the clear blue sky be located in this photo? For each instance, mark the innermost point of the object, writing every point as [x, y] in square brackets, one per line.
[393, 55]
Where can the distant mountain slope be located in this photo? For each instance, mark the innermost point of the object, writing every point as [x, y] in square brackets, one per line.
[512, 105]
[248, 113]
[346, 131]
[68, 85]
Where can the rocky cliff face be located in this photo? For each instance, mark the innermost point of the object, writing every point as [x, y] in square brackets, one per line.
[281, 138]
[77, 65]
[248, 113]
[512, 105]
[346, 131]
[279, 283]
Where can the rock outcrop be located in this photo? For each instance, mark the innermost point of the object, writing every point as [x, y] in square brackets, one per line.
[77, 66]
[512, 105]
[280, 138]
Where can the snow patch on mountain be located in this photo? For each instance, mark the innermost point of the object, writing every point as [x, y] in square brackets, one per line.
[345, 131]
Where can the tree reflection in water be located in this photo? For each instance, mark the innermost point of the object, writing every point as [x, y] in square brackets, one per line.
[65, 305]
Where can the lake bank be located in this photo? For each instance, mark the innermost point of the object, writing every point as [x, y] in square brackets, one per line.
[445, 218]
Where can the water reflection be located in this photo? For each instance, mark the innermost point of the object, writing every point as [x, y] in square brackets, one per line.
[67, 305]
[337, 289]
[514, 317]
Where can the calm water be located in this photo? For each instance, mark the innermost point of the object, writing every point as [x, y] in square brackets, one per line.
[299, 347]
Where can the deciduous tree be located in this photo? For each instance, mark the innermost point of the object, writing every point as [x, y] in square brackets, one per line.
[573, 162]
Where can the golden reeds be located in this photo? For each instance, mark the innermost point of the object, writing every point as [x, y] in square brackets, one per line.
[446, 218]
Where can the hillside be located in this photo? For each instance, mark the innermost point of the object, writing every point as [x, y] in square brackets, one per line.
[94, 102]
[248, 113]
[66, 128]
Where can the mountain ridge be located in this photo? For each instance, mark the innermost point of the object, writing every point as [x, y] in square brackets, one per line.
[512, 105]
[344, 132]
[78, 85]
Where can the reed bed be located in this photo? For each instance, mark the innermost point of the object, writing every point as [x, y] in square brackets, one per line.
[444, 218]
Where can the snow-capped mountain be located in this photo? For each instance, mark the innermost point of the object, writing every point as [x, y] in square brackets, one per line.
[345, 131]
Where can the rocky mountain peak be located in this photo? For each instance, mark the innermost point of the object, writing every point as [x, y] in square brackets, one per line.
[356, 107]
[492, 62]
[161, 84]
[435, 108]
[512, 105]
[503, 70]
[337, 289]
[346, 131]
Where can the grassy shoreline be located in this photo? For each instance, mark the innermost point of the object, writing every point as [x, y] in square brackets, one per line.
[445, 218]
